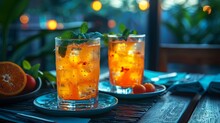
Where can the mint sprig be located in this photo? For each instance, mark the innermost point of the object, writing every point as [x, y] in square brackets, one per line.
[123, 35]
[125, 31]
[81, 34]
[72, 35]
[84, 28]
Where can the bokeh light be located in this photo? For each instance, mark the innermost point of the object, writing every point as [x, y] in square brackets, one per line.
[111, 23]
[60, 26]
[207, 9]
[143, 5]
[51, 24]
[167, 4]
[116, 3]
[24, 19]
[96, 5]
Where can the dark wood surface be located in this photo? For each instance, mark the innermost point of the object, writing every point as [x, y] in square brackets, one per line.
[168, 108]
[207, 110]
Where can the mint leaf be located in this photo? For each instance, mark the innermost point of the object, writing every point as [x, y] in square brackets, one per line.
[105, 39]
[122, 28]
[67, 35]
[125, 34]
[111, 33]
[34, 70]
[62, 48]
[84, 27]
[26, 65]
[81, 36]
[134, 32]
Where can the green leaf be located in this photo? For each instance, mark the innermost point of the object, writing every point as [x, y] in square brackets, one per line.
[26, 65]
[50, 77]
[125, 34]
[134, 32]
[111, 33]
[34, 70]
[81, 36]
[68, 35]
[122, 28]
[105, 39]
[84, 28]
[62, 48]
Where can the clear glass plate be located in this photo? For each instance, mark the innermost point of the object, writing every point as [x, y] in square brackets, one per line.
[48, 104]
[106, 87]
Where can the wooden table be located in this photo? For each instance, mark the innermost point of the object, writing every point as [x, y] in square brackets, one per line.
[169, 108]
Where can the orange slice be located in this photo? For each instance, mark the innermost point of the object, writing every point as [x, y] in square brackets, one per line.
[12, 79]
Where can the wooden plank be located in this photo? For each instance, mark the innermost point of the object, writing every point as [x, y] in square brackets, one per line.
[207, 110]
[188, 54]
[170, 109]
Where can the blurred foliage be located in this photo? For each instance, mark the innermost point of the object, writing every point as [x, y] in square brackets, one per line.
[10, 10]
[191, 25]
[15, 51]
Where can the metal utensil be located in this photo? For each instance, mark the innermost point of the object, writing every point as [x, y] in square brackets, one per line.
[187, 79]
[164, 76]
[26, 117]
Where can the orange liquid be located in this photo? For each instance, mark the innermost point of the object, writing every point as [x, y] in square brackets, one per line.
[126, 63]
[78, 72]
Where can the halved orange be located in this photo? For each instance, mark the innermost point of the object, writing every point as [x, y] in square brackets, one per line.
[12, 79]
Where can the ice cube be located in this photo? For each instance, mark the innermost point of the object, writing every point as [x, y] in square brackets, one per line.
[86, 91]
[74, 55]
[75, 51]
[131, 52]
[120, 47]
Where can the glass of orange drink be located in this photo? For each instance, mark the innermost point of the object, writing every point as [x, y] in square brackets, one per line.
[126, 62]
[77, 71]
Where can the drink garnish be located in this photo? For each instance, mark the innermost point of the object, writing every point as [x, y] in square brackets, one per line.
[79, 37]
[123, 35]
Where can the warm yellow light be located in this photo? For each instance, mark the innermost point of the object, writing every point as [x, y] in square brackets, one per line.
[207, 9]
[51, 24]
[24, 19]
[143, 5]
[111, 23]
[96, 5]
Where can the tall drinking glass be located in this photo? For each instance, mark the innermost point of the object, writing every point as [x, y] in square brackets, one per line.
[126, 62]
[77, 70]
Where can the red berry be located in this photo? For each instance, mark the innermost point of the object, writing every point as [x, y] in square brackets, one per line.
[31, 84]
[149, 87]
[138, 88]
